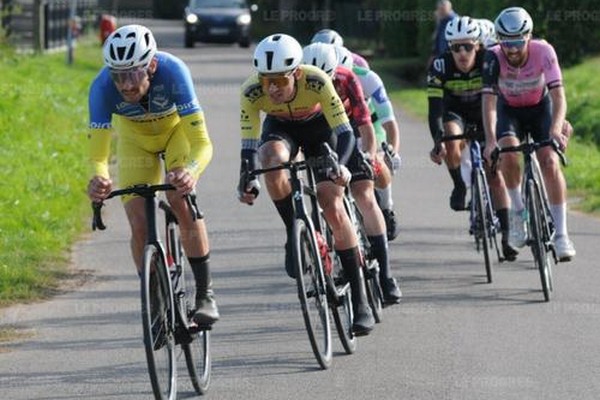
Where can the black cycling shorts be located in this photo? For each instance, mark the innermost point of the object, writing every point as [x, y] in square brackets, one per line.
[513, 121]
[464, 117]
[308, 135]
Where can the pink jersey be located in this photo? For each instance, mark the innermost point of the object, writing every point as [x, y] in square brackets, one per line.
[523, 86]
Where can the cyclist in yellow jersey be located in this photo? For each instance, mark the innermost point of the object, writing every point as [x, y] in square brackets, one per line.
[304, 111]
[148, 97]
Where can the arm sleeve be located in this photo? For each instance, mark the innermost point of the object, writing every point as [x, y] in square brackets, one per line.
[99, 151]
[490, 73]
[201, 148]
[375, 90]
[435, 96]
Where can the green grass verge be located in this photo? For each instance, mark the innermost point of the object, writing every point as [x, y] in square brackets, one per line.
[43, 147]
[583, 171]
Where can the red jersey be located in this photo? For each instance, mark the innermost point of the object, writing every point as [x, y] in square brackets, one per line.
[350, 91]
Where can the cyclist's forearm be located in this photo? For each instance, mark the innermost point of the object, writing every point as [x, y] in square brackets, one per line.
[489, 102]
[201, 148]
[559, 110]
[367, 136]
[99, 151]
[392, 134]
[436, 127]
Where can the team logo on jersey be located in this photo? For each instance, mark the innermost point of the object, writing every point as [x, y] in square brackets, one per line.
[439, 65]
[314, 84]
[253, 92]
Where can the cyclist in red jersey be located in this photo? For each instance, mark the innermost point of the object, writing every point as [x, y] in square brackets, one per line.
[363, 161]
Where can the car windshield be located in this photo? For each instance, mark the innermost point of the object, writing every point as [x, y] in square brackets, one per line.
[218, 4]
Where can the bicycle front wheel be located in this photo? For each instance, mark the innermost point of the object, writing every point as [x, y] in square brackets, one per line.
[341, 309]
[198, 360]
[540, 252]
[312, 292]
[158, 324]
[482, 225]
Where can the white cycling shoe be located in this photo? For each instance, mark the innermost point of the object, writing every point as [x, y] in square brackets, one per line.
[565, 251]
[517, 234]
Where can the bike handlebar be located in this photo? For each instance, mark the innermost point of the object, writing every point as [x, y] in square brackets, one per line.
[528, 147]
[143, 190]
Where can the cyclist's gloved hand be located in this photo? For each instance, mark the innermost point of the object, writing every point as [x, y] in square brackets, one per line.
[248, 191]
[396, 162]
[438, 153]
[340, 176]
[99, 188]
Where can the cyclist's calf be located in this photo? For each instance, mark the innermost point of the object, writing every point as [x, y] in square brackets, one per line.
[331, 200]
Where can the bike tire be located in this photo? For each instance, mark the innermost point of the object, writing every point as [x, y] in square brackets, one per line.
[312, 292]
[374, 292]
[158, 324]
[540, 253]
[343, 316]
[483, 229]
[198, 360]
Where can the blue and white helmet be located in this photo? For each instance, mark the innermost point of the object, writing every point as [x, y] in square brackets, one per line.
[328, 36]
[513, 22]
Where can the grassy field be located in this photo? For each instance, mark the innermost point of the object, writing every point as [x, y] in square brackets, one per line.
[43, 115]
[583, 171]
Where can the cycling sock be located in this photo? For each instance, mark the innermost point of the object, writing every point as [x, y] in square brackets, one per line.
[559, 214]
[385, 197]
[286, 210]
[349, 258]
[516, 199]
[456, 176]
[379, 247]
[502, 215]
[200, 268]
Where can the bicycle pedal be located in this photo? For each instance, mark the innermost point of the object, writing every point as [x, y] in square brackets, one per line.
[195, 328]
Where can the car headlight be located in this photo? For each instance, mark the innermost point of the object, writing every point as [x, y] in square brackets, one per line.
[244, 19]
[191, 18]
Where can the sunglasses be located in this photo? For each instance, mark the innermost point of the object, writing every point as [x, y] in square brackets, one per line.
[469, 47]
[134, 76]
[516, 43]
[279, 80]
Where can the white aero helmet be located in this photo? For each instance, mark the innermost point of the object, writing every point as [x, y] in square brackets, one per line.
[277, 53]
[487, 35]
[462, 28]
[344, 57]
[513, 22]
[129, 46]
[327, 36]
[321, 55]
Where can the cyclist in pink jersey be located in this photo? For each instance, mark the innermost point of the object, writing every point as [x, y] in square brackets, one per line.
[523, 91]
[363, 163]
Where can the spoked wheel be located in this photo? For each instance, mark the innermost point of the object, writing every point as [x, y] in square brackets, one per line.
[482, 224]
[158, 325]
[198, 360]
[341, 309]
[540, 252]
[312, 292]
[373, 287]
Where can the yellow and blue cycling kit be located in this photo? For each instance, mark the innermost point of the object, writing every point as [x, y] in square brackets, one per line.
[169, 118]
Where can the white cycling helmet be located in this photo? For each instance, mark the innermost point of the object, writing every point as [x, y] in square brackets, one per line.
[344, 57]
[321, 55]
[277, 53]
[129, 46]
[487, 35]
[462, 28]
[328, 36]
[513, 22]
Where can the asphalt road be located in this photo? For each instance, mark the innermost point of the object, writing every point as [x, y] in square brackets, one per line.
[453, 336]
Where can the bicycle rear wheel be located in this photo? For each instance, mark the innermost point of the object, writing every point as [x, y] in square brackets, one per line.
[482, 224]
[540, 252]
[312, 292]
[158, 324]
